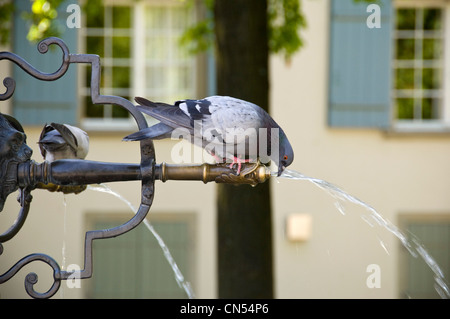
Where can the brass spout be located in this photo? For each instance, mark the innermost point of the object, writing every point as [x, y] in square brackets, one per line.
[251, 173]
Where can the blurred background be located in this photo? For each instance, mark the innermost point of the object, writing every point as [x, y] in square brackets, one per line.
[364, 98]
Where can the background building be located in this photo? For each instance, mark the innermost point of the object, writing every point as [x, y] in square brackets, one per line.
[365, 108]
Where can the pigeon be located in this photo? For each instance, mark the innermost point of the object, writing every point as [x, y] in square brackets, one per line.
[63, 141]
[228, 128]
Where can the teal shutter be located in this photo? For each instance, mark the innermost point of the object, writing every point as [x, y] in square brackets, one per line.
[37, 102]
[360, 66]
[133, 265]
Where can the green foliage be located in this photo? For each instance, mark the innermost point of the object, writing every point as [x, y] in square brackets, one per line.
[6, 11]
[41, 17]
[199, 37]
[285, 20]
[93, 11]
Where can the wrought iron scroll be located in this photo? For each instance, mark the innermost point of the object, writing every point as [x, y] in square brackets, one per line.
[147, 167]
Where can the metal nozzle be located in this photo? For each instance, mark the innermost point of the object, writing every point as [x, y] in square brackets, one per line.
[251, 173]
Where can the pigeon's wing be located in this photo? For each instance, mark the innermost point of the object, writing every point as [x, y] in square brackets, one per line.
[236, 120]
[196, 110]
[168, 114]
[81, 140]
[227, 125]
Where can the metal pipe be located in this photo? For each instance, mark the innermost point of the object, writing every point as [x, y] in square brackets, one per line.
[71, 175]
[83, 172]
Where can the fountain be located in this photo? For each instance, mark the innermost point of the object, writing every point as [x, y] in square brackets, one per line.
[72, 175]
[19, 172]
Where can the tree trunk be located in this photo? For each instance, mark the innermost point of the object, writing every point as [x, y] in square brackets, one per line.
[244, 212]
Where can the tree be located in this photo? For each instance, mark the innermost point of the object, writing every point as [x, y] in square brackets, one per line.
[245, 32]
[244, 212]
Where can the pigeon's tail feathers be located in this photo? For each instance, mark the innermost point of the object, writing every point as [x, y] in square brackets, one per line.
[155, 132]
[168, 114]
[144, 102]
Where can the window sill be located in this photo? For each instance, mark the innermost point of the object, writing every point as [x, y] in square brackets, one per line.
[102, 125]
[112, 125]
[419, 127]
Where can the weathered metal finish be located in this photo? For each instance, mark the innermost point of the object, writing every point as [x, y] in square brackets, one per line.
[251, 173]
[72, 175]
[77, 172]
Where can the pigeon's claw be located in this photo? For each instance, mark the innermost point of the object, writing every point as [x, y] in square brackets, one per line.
[238, 161]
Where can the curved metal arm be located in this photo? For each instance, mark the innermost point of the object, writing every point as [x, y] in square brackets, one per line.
[24, 199]
[42, 47]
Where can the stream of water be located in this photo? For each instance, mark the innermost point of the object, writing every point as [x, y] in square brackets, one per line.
[177, 273]
[63, 250]
[411, 243]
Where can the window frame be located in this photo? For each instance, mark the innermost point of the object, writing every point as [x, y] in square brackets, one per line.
[441, 124]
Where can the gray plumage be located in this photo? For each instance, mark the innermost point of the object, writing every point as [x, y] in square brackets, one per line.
[63, 141]
[226, 127]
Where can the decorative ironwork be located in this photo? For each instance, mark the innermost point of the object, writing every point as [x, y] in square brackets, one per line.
[146, 168]
[72, 175]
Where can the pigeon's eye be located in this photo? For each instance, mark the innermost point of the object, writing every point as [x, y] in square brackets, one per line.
[285, 157]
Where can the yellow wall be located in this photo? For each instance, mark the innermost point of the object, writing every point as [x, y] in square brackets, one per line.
[394, 173]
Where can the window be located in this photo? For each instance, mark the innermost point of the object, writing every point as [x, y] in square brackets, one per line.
[109, 34]
[393, 77]
[140, 55]
[419, 64]
[133, 265]
[416, 277]
[169, 71]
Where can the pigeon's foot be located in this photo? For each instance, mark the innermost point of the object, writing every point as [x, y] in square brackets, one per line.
[239, 161]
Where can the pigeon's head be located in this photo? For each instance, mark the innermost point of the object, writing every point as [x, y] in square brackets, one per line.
[286, 153]
[63, 141]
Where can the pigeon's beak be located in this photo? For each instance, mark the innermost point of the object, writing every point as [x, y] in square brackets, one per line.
[281, 169]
